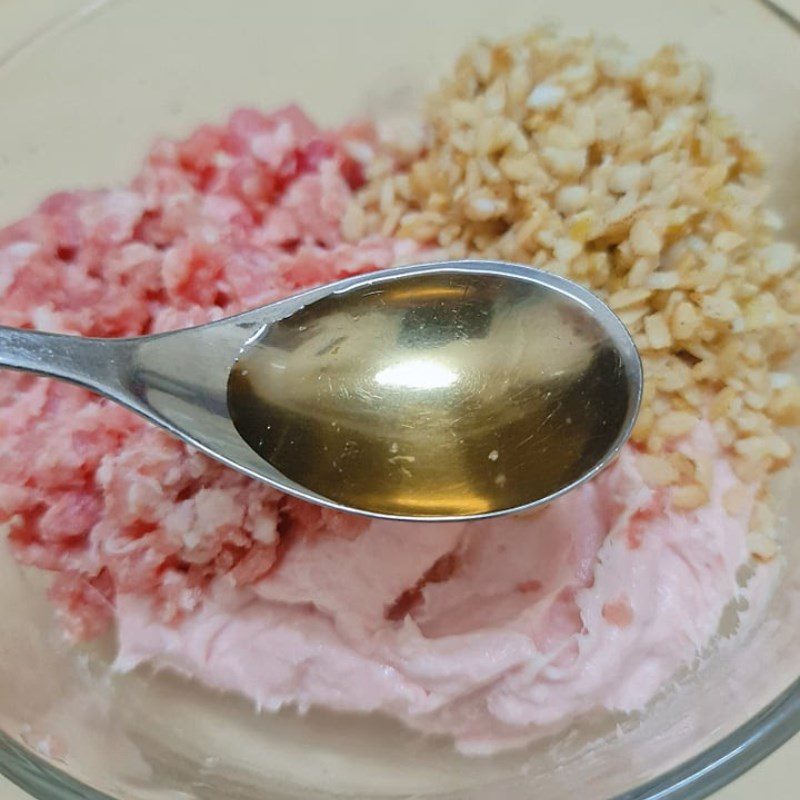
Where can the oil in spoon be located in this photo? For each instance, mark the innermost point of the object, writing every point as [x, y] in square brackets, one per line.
[438, 395]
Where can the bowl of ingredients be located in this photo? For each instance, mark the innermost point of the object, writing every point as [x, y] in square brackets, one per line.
[174, 628]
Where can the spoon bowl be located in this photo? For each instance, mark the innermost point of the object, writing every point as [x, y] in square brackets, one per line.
[443, 391]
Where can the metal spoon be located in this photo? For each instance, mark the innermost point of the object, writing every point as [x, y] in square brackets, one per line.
[443, 391]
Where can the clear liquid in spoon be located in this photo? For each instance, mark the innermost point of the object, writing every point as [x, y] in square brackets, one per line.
[438, 395]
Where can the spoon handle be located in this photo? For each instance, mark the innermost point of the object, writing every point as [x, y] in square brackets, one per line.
[96, 364]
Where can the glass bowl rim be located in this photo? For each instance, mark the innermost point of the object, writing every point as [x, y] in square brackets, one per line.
[694, 779]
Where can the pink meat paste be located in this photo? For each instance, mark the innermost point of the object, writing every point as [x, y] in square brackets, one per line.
[492, 632]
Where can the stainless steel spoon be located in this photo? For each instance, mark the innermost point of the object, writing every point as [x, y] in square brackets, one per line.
[443, 391]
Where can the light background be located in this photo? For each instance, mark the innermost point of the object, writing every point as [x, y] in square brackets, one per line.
[776, 778]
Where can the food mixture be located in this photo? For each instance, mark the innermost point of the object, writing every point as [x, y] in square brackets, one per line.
[568, 155]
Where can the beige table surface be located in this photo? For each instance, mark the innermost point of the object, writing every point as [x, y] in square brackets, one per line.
[776, 778]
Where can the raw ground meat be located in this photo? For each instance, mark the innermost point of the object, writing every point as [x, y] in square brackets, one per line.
[233, 217]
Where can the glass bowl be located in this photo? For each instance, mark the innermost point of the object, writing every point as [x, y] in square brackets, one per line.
[81, 101]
